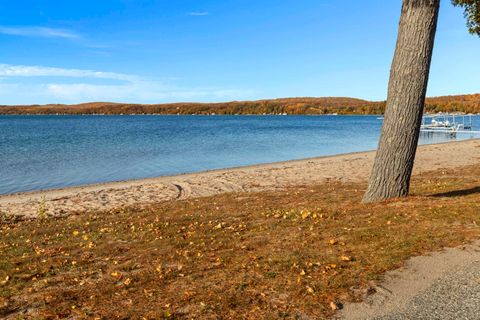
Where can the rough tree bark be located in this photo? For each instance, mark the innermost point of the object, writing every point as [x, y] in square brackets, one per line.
[407, 87]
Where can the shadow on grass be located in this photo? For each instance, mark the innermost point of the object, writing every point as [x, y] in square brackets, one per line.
[458, 193]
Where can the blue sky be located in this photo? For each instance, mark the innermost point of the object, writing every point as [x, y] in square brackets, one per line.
[152, 51]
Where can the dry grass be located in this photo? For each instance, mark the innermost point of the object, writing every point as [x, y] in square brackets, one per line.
[263, 255]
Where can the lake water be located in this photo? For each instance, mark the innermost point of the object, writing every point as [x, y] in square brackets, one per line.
[43, 152]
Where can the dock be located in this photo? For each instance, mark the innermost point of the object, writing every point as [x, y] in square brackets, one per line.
[447, 123]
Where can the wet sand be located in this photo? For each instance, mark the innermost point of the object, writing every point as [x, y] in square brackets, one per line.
[353, 167]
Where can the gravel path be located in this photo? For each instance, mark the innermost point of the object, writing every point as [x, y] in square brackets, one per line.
[444, 285]
[453, 296]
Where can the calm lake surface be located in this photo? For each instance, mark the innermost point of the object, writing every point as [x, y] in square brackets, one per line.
[43, 152]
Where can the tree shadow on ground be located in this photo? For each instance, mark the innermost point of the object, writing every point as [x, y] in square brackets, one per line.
[458, 193]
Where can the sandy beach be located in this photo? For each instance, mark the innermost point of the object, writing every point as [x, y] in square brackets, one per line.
[353, 167]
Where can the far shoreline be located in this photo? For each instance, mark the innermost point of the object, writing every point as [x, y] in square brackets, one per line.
[466, 103]
[198, 115]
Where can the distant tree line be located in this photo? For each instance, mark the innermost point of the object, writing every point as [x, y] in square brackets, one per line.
[292, 106]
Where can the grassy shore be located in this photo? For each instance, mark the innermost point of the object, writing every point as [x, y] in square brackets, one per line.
[268, 255]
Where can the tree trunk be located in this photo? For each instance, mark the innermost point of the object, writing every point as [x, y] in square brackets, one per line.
[407, 87]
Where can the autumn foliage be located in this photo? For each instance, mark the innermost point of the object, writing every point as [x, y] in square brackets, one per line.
[310, 106]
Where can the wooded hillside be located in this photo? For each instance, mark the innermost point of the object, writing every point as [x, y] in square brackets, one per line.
[328, 105]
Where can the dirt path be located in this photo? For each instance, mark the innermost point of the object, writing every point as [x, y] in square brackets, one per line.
[349, 167]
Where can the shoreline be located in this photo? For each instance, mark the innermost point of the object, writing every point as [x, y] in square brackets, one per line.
[350, 167]
[139, 181]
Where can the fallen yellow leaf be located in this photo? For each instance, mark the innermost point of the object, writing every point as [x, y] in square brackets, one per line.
[333, 305]
[306, 214]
